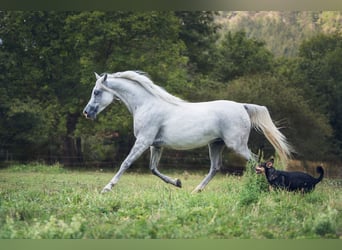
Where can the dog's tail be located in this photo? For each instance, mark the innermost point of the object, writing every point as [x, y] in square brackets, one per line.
[261, 120]
[320, 171]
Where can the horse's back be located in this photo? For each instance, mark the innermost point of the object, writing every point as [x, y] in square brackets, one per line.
[216, 107]
[210, 112]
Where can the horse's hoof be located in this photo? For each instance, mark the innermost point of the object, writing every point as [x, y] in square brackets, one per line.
[196, 191]
[105, 190]
[178, 183]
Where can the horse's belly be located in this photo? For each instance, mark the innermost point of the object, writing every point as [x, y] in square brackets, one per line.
[184, 138]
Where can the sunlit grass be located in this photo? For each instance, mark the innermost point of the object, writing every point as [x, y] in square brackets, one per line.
[58, 203]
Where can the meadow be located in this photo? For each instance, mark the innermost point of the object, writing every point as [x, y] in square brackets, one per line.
[51, 202]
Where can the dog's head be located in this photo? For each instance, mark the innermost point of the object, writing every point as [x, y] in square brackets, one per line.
[263, 167]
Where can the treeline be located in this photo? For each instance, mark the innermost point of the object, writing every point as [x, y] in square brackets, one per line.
[48, 59]
[283, 31]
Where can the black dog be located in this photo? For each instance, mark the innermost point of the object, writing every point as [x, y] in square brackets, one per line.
[290, 181]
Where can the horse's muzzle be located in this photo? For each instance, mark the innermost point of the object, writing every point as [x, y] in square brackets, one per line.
[90, 112]
[86, 114]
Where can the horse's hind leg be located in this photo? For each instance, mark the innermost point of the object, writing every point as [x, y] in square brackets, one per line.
[215, 153]
[156, 153]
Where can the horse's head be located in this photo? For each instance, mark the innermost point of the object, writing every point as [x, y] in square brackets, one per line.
[100, 98]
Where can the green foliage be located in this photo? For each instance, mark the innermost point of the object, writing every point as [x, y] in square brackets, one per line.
[37, 168]
[325, 223]
[199, 33]
[320, 71]
[117, 41]
[253, 186]
[65, 205]
[34, 80]
[241, 56]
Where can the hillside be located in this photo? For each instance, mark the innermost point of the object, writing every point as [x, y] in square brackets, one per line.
[282, 31]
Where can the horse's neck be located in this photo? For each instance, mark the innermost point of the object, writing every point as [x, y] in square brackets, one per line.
[131, 94]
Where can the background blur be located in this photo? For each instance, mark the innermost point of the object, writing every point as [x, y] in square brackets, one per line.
[290, 62]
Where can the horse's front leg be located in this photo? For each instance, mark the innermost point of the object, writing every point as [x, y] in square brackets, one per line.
[139, 147]
[156, 153]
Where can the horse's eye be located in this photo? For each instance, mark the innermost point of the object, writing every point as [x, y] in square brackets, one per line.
[96, 92]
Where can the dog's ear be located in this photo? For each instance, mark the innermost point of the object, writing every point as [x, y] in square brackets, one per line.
[269, 164]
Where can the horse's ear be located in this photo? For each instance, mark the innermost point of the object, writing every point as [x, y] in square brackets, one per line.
[96, 75]
[104, 78]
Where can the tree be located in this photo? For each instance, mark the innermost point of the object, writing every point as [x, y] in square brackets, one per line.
[320, 70]
[199, 32]
[33, 76]
[241, 56]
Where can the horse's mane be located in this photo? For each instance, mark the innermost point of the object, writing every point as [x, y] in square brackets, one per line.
[143, 79]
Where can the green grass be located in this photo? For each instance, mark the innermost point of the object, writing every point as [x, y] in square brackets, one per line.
[37, 201]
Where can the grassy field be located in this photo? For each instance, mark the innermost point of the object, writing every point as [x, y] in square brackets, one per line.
[39, 201]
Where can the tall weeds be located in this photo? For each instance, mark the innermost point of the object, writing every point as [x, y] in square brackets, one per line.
[252, 185]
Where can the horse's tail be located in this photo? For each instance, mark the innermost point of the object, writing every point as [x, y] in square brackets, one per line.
[261, 120]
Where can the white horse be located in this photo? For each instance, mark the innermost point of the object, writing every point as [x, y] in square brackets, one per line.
[163, 120]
